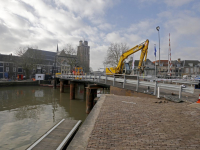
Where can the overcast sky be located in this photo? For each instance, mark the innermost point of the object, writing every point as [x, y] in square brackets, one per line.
[47, 22]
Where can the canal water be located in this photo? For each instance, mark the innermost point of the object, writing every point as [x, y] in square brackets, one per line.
[27, 112]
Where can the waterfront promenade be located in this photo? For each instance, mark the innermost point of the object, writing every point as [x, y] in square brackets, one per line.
[139, 123]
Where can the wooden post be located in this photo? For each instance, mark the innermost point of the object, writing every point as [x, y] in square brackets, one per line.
[88, 100]
[72, 91]
[61, 86]
[90, 95]
[54, 83]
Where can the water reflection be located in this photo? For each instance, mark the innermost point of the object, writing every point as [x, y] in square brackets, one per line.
[31, 112]
[39, 93]
[28, 112]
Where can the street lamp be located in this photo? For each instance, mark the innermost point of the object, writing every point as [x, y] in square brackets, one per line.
[158, 28]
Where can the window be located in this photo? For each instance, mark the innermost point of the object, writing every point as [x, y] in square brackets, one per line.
[20, 70]
[1, 64]
[14, 69]
[187, 70]
[197, 69]
[191, 70]
[39, 67]
[7, 69]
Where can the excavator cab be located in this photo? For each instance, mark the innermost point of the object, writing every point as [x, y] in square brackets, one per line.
[126, 68]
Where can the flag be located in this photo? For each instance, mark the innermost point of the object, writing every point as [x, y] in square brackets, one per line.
[155, 50]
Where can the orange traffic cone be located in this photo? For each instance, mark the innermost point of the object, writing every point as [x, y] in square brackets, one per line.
[199, 99]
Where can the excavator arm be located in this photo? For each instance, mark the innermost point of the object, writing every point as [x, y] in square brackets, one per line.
[119, 69]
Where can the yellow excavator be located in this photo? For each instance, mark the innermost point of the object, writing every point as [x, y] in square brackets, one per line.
[121, 65]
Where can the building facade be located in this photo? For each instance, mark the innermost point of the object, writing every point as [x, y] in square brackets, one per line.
[9, 68]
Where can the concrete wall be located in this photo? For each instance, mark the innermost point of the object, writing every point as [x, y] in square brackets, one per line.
[8, 83]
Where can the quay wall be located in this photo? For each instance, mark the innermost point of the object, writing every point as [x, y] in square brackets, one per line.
[18, 83]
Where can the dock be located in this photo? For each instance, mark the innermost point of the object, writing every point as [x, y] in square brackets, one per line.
[57, 136]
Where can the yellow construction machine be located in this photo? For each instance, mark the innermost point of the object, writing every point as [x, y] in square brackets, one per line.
[121, 65]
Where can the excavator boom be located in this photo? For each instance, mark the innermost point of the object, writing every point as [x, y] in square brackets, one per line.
[119, 69]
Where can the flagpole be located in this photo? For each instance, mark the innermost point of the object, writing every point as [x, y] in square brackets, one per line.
[155, 58]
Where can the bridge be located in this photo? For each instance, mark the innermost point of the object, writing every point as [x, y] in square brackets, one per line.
[122, 85]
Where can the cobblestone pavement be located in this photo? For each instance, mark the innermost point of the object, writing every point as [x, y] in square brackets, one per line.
[145, 124]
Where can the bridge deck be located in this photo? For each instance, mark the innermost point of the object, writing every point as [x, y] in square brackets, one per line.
[57, 136]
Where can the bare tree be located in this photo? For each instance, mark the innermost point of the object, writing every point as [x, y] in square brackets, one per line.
[69, 49]
[115, 50]
[29, 58]
[22, 50]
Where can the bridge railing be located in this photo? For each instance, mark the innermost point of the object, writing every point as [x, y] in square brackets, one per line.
[186, 82]
[123, 79]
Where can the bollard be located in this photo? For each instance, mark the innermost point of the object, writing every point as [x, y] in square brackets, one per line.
[158, 96]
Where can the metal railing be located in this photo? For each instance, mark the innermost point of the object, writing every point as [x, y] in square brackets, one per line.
[186, 82]
[123, 79]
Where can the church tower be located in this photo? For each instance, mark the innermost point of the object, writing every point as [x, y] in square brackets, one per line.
[83, 55]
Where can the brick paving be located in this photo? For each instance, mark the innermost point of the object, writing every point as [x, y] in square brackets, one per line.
[145, 124]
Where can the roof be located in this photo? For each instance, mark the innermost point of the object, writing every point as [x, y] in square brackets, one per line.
[164, 62]
[137, 62]
[8, 58]
[47, 54]
[62, 53]
[194, 62]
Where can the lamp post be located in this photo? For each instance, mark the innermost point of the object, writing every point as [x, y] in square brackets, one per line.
[158, 28]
